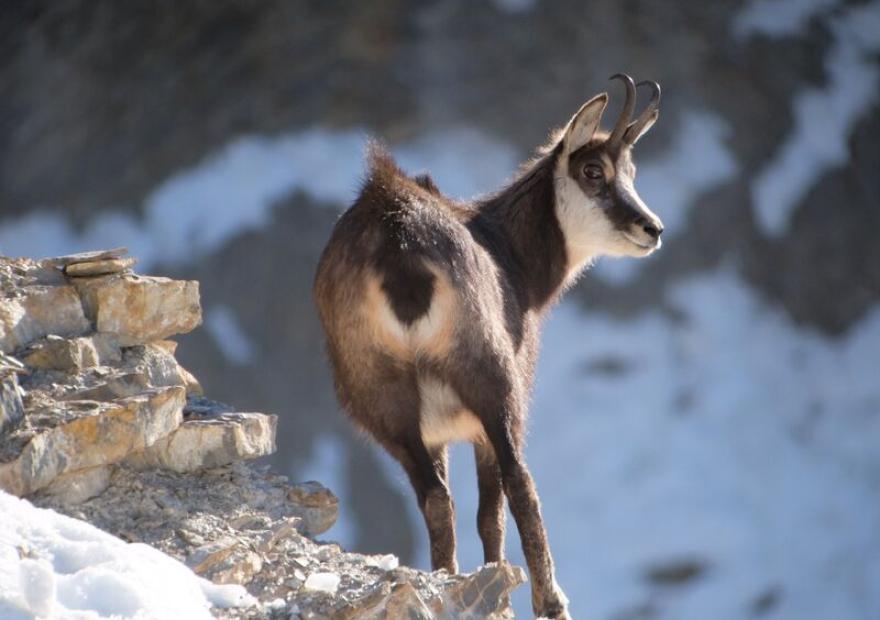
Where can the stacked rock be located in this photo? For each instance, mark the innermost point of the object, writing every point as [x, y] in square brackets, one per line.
[88, 378]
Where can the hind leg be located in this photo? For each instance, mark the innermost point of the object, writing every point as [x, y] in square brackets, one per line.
[427, 474]
[389, 410]
[490, 515]
[488, 386]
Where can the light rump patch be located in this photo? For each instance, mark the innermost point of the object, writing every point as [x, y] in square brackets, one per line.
[429, 335]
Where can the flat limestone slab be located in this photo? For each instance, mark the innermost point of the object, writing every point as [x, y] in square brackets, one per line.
[139, 309]
[99, 267]
[85, 257]
[38, 311]
[95, 434]
[212, 442]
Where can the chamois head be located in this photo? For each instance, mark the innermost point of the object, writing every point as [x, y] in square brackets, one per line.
[598, 208]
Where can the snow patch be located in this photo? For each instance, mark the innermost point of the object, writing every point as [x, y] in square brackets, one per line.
[778, 18]
[229, 336]
[515, 6]
[823, 120]
[322, 582]
[233, 191]
[55, 566]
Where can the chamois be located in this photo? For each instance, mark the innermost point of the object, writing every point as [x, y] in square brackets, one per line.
[432, 311]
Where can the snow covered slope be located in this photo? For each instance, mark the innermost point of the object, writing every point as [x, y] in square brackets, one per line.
[52, 566]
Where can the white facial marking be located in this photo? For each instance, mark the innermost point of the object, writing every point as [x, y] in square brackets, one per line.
[587, 230]
[442, 417]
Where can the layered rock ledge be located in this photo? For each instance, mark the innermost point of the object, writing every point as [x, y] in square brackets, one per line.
[100, 422]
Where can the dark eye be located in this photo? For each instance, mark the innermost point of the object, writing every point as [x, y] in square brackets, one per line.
[594, 172]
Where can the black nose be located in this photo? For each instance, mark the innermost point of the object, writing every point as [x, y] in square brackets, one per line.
[653, 231]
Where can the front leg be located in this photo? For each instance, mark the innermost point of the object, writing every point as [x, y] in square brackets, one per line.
[490, 390]
[548, 600]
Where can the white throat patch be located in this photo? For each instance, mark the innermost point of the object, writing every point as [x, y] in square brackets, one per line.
[587, 230]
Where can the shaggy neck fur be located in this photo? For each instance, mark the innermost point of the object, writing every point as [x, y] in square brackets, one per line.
[530, 232]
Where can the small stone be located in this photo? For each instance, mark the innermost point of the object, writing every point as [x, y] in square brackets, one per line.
[56, 353]
[316, 505]
[159, 365]
[322, 582]
[79, 486]
[9, 364]
[11, 407]
[205, 557]
[286, 529]
[482, 594]
[192, 385]
[225, 561]
[99, 267]
[38, 311]
[190, 538]
[200, 444]
[388, 602]
[85, 257]
[383, 562]
[250, 522]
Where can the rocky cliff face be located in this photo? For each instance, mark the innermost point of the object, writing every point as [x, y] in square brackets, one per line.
[99, 421]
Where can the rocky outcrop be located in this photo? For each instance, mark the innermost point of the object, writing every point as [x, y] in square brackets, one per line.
[100, 421]
[89, 381]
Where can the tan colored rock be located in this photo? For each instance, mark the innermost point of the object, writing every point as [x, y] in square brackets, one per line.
[57, 353]
[11, 407]
[225, 561]
[205, 557]
[211, 442]
[87, 436]
[99, 267]
[168, 345]
[38, 311]
[78, 486]
[484, 595]
[287, 528]
[192, 385]
[121, 385]
[316, 505]
[157, 364]
[139, 309]
[388, 602]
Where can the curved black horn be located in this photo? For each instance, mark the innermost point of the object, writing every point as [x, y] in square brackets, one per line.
[628, 106]
[644, 118]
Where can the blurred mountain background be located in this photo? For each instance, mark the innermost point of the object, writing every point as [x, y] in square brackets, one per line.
[705, 432]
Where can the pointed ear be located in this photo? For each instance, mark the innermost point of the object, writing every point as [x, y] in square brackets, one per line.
[584, 123]
[633, 133]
